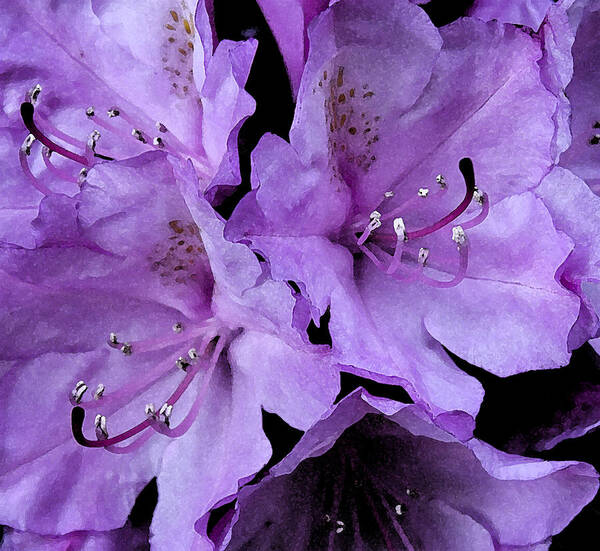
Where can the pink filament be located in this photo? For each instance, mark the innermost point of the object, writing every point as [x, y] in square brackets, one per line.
[57, 171]
[188, 420]
[460, 274]
[37, 184]
[485, 209]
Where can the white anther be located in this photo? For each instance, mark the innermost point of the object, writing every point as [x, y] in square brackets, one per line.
[375, 220]
[79, 391]
[388, 194]
[158, 142]
[126, 349]
[161, 127]
[150, 411]
[112, 339]
[423, 255]
[34, 93]
[440, 180]
[340, 527]
[478, 196]
[181, 363]
[399, 509]
[423, 192]
[82, 177]
[99, 391]
[137, 134]
[400, 228]
[90, 111]
[114, 112]
[193, 354]
[93, 139]
[46, 151]
[166, 411]
[100, 424]
[459, 236]
[178, 327]
[27, 143]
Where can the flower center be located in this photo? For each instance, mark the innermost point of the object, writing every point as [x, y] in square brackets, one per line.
[394, 252]
[200, 361]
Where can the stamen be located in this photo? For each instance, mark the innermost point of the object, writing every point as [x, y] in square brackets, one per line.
[34, 94]
[459, 236]
[99, 391]
[400, 228]
[82, 176]
[165, 412]
[178, 327]
[54, 169]
[423, 256]
[158, 142]
[127, 349]
[90, 112]
[465, 166]
[193, 354]
[27, 111]
[78, 412]
[100, 424]
[114, 112]
[441, 180]
[93, 140]
[78, 392]
[35, 182]
[27, 143]
[388, 194]
[423, 192]
[137, 134]
[181, 363]
[113, 340]
[161, 127]
[374, 223]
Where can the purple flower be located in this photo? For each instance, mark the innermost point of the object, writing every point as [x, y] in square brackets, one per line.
[134, 306]
[128, 538]
[120, 299]
[371, 210]
[112, 79]
[377, 474]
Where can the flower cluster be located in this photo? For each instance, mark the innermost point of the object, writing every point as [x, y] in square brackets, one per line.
[435, 206]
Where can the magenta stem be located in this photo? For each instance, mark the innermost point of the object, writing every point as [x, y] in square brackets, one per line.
[27, 111]
[77, 418]
[466, 167]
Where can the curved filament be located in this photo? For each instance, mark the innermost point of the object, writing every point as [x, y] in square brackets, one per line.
[463, 252]
[27, 111]
[485, 209]
[35, 182]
